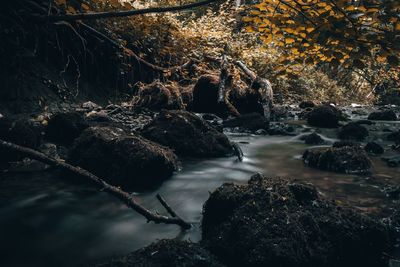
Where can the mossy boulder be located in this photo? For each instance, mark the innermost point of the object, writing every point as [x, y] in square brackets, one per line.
[345, 159]
[123, 159]
[385, 115]
[353, 131]
[275, 222]
[325, 116]
[187, 134]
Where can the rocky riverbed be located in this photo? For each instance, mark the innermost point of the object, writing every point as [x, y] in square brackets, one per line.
[92, 225]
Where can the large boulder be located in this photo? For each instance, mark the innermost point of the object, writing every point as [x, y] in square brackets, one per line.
[325, 116]
[205, 98]
[345, 159]
[64, 128]
[121, 159]
[250, 121]
[353, 131]
[187, 134]
[157, 96]
[274, 222]
[247, 100]
[386, 115]
[165, 253]
[374, 148]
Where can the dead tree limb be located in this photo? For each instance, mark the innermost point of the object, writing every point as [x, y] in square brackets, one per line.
[262, 85]
[121, 195]
[114, 14]
[223, 79]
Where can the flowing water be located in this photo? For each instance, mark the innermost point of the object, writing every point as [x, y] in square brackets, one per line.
[47, 221]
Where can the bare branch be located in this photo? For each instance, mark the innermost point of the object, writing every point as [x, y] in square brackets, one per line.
[114, 14]
[121, 195]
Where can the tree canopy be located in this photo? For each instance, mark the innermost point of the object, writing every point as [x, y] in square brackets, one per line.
[351, 33]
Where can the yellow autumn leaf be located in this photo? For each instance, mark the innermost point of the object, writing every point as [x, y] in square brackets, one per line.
[289, 40]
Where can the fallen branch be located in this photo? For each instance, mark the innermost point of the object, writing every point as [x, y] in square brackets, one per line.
[238, 151]
[114, 14]
[121, 195]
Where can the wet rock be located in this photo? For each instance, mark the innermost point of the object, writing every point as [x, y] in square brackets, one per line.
[312, 139]
[165, 253]
[261, 132]
[395, 137]
[251, 122]
[187, 134]
[64, 128]
[89, 105]
[274, 222]
[97, 116]
[338, 144]
[157, 96]
[306, 104]
[374, 148]
[386, 115]
[121, 159]
[213, 120]
[353, 131]
[278, 128]
[205, 98]
[392, 161]
[325, 116]
[346, 159]
[365, 122]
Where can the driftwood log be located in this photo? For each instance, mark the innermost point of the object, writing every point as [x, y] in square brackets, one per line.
[115, 191]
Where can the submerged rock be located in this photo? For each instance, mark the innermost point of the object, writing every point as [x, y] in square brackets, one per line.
[274, 222]
[250, 121]
[187, 134]
[353, 131]
[165, 253]
[386, 115]
[312, 139]
[157, 96]
[395, 137]
[123, 160]
[325, 116]
[346, 159]
[374, 148]
[279, 128]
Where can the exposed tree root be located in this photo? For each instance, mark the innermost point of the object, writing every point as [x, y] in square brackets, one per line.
[121, 195]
